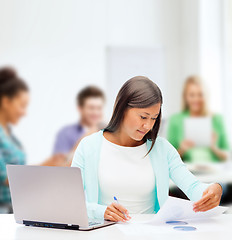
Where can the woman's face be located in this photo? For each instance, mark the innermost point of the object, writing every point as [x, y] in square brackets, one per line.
[15, 108]
[138, 122]
[194, 98]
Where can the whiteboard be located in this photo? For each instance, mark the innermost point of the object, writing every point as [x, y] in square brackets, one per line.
[124, 63]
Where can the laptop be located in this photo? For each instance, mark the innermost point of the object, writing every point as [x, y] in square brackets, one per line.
[50, 197]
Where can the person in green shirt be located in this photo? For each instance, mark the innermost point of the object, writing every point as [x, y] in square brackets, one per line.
[195, 105]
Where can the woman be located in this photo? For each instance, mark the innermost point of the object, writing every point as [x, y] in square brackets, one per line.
[195, 105]
[14, 98]
[127, 160]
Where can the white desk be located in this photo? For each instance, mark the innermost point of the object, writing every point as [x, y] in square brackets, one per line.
[10, 230]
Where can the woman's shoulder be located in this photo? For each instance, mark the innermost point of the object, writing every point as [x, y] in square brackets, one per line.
[162, 141]
[217, 117]
[218, 121]
[91, 140]
[163, 145]
[162, 150]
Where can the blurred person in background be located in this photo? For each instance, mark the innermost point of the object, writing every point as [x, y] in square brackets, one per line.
[195, 105]
[90, 104]
[14, 98]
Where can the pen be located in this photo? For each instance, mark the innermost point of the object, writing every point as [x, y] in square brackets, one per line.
[118, 203]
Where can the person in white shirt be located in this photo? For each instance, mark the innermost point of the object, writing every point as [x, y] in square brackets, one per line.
[129, 161]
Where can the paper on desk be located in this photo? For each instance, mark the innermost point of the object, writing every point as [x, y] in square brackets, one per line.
[134, 228]
[181, 209]
[174, 209]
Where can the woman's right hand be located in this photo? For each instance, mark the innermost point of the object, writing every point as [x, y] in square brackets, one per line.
[185, 146]
[114, 212]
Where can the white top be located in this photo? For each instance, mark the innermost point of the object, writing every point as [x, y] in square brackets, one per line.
[125, 173]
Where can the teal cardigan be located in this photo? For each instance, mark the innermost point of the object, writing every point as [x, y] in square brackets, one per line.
[165, 161]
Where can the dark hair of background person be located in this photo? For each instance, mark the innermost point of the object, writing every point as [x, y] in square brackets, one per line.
[88, 92]
[137, 92]
[10, 83]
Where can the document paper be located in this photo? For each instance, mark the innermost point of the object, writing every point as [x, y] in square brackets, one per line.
[181, 209]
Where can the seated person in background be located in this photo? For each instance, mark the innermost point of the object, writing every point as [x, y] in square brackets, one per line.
[90, 104]
[14, 98]
[195, 105]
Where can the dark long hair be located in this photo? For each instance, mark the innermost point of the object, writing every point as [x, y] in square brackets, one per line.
[137, 92]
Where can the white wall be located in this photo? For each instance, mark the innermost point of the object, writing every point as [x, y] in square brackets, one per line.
[202, 51]
[155, 24]
[60, 46]
[227, 57]
[211, 49]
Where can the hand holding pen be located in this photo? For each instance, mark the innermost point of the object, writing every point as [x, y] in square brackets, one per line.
[116, 212]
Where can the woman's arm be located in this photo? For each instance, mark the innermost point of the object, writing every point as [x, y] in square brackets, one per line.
[185, 145]
[219, 152]
[182, 177]
[220, 144]
[94, 210]
[113, 212]
[174, 134]
[206, 195]
[3, 173]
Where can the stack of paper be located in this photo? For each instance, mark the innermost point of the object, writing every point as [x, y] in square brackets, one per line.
[172, 210]
[181, 209]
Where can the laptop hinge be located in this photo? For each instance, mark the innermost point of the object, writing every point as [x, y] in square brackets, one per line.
[50, 225]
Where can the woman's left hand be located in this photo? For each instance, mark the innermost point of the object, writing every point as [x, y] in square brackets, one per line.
[210, 199]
